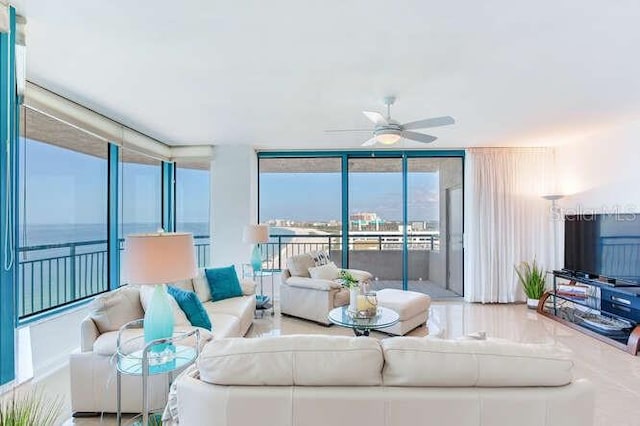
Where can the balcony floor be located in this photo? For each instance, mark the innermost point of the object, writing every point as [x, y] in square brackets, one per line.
[434, 290]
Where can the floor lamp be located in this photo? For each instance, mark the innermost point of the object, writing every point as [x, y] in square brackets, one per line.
[157, 259]
[554, 206]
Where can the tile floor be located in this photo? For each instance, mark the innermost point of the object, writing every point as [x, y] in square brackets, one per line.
[615, 373]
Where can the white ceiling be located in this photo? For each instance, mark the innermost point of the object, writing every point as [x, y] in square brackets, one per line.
[276, 73]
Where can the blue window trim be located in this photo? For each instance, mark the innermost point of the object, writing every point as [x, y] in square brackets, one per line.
[345, 155]
[9, 121]
[113, 207]
[168, 196]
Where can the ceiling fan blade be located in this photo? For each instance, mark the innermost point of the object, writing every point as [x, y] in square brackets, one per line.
[376, 117]
[347, 130]
[370, 142]
[429, 122]
[418, 137]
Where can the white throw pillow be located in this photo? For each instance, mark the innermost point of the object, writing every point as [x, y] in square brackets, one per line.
[179, 317]
[201, 286]
[112, 310]
[325, 272]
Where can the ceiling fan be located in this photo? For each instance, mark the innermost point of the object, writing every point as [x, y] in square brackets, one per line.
[388, 131]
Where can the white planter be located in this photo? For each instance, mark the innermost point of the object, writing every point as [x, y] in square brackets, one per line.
[532, 303]
[353, 299]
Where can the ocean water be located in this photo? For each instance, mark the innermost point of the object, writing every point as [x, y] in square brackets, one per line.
[36, 235]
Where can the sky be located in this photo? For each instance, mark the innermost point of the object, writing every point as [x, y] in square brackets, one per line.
[67, 187]
[317, 196]
[64, 187]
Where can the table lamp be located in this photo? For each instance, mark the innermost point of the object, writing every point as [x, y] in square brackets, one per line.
[256, 235]
[157, 259]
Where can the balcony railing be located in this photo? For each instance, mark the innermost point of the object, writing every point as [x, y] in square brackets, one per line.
[54, 275]
[282, 246]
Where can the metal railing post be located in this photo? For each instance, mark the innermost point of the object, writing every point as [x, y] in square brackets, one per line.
[72, 266]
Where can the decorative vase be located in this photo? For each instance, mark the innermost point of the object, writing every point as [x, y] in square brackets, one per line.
[532, 303]
[256, 258]
[353, 299]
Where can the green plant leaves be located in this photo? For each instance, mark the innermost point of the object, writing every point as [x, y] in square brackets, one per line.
[532, 278]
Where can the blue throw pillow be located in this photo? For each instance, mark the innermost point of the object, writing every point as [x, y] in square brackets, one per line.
[192, 307]
[223, 282]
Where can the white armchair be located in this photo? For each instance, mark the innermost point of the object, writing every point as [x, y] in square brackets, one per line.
[312, 298]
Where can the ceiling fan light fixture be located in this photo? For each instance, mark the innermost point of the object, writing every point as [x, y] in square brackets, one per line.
[388, 137]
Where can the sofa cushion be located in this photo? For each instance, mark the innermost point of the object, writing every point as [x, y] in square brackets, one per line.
[303, 282]
[132, 340]
[112, 310]
[236, 306]
[325, 272]
[179, 317]
[407, 304]
[223, 283]
[299, 265]
[191, 306]
[320, 257]
[201, 286]
[224, 325]
[186, 285]
[420, 361]
[293, 360]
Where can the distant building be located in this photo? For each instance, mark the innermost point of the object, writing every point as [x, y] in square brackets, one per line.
[364, 218]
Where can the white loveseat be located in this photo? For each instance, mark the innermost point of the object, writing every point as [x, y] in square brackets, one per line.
[311, 298]
[93, 383]
[345, 381]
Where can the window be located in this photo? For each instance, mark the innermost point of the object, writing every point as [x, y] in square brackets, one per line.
[300, 198]
[402, 217]
[140, 195]
[193, 204]
[63, 214]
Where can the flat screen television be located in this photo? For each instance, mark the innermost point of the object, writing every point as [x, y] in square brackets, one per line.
[605, 245]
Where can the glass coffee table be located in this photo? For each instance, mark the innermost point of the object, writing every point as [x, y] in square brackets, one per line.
[362, 326]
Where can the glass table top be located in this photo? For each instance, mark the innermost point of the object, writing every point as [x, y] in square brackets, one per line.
[171, 358]
[384, 318]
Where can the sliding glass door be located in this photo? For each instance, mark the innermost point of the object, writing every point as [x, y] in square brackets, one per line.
[399, 213]
[434, 226]
[376, 219]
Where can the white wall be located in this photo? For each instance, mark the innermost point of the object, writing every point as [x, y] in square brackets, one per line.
[234, 200]
[602, 171]
[50, 343]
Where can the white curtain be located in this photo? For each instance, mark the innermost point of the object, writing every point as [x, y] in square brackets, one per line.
[506, 219]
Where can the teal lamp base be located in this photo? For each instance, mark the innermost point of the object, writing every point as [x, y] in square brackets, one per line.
[256, 258]
[158, 320]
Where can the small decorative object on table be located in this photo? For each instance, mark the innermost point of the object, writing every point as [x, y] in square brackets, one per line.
[366, 306]
[349, 281]
[532, 278]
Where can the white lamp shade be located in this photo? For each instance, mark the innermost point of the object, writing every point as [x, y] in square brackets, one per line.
[256, 234]
[159, 258]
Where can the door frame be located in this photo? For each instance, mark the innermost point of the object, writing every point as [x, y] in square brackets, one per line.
[345, 155]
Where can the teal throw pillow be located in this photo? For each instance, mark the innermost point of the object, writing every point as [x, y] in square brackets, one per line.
[191, 306]
[223, 282]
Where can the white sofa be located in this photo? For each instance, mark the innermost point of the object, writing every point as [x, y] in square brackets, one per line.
[305, 297]
[93, 383]
[345, 381]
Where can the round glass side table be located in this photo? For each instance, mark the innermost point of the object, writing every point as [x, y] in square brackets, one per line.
[134, 357]
[385, 317]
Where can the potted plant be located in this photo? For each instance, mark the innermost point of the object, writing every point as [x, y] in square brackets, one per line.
[28, 409]
[350, 282]
[532, 277]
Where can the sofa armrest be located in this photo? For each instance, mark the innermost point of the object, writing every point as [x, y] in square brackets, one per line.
[360, 275]
[311, 283]
[285, 275]
[248, 287]
[89, 333]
